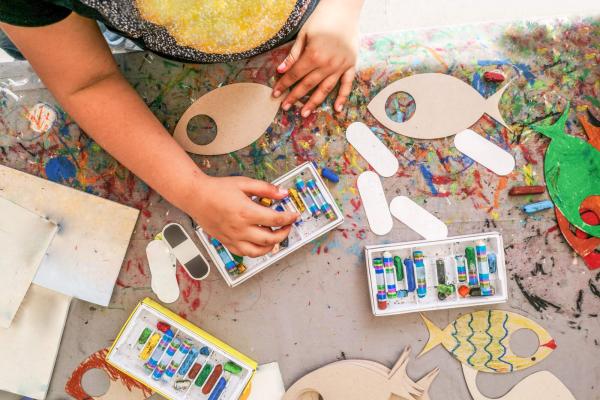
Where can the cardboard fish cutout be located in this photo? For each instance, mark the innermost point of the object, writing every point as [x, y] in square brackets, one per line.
[445, 106]
[481, 340]
[572, 172]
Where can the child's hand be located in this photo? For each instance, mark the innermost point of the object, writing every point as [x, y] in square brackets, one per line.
[324, 53]
[224, 210]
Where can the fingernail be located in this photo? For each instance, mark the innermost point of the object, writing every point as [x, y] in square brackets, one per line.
[282, 191]
[276, 93]
[305, 113]
[281, 67]
[338, 108]
[286, 106]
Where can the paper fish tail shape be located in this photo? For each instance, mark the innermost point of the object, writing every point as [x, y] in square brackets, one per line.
[572, 172]
[482, 340]
[540, 385]
[359, 380]
[445, 106]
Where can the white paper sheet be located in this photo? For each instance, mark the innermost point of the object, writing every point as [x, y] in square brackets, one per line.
[85, 257]
[374, 203]
[25, 237]
[267, 383]
[30, 346]
[418, 219]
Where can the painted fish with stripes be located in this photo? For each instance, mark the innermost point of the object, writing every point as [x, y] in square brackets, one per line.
[481, 340]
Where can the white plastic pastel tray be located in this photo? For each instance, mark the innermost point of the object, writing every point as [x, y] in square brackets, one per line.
[434, 249]
[311, 229]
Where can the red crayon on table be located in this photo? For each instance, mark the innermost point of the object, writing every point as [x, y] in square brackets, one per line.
[524, 190]
[494, 76]
[210, 383]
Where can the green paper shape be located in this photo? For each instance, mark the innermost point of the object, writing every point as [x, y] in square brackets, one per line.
[572, 171]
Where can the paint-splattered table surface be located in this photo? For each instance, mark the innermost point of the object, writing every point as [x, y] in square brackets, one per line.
[313, 307]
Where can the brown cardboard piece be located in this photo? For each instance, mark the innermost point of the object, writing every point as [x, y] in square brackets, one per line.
[359, 380]
[241, 112]
[539, 385]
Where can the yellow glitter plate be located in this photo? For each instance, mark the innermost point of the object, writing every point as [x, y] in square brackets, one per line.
[219, 26]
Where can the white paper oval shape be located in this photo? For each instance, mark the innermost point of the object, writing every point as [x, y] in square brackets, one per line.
[486, 153]
[372, 149]
[242, 113]
[418, 219]
[374, 203]
[162, 270]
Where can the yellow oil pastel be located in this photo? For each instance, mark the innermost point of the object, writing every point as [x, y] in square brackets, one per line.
[482, 340]
[219, 26]
[149, 347]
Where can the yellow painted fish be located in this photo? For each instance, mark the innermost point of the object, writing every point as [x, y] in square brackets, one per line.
[481, 339]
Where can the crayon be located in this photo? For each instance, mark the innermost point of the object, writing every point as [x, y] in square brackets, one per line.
[493, 262]
[164, 361]
[320, 200]
[297, 200]
[390, 276]
[289, 204]
[159, 351]
[410, 274]
[143, 338]
[399, 268]
[471, 266]
[306, 196]
[440, 267]
[483, 267]
[212, 380]
[461, 268]
[189, 361]
[444, 291]
[224, 255]
[163, 326]
[194, 371]
[265, 201]
[150, 345]
[533, 208]
[183, 351]
[218, 389]
[476, 291]
[203, 375]
[419, 260]
[524, 190]
[380, 281]
[232, 367]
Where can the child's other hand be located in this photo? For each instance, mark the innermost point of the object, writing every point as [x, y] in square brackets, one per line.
[324, 53]
[224, 210]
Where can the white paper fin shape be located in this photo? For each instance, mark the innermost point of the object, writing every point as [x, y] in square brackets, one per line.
[374, 203]
[445, 105]
[163, 271]
[372, 149]
[267, 383]
[486, 153]
[241, 111]
[361, 380]
[418, 219]
[540, 385]
[24, 238]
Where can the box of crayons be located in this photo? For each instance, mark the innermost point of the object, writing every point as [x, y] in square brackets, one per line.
[461, 271]
[176, 359]
[308, 196]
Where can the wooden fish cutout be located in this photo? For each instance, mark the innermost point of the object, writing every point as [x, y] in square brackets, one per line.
[360, 380]
[539, 385]
[481, 339]
[585, 246]
[445, 106]
[572, 172]
[242, 112]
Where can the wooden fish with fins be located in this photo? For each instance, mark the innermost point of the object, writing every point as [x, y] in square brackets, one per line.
[361, 380]
[481, 339]
[445, 106]
[572, 172]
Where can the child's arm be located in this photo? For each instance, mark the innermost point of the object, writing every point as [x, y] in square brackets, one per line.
[324, 53]
[73, 60]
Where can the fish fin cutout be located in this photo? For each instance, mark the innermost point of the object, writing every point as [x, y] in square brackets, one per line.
[436, 336]
[401, 364]
[426, 381]
[557, 129]
[492, 105]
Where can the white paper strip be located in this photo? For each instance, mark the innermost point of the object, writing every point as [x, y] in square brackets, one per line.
[163, 271]
[374, 203]
[417, 218]
[372, 149]
[486, 153]
[24, 238]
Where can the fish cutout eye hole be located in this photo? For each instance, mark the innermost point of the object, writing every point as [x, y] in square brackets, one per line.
[202, 129]
[400, 107]
[524, 343]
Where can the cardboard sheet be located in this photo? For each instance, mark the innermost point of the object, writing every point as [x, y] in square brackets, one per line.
[25, 237]
[30, 346]
[85, 257]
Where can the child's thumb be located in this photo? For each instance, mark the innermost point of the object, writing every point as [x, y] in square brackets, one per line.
[293, 55]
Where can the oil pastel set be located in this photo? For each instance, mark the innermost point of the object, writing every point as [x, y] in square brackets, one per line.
[461, 271]
[171, 356]
[308, 196]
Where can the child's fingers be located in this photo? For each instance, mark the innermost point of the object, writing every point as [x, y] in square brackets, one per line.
[319, 95]
[254, 187]
[266, 216]
[299, 70]
[345, 89]
[261, 236]
[302, 88]
[243, 248]
[292, 57]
